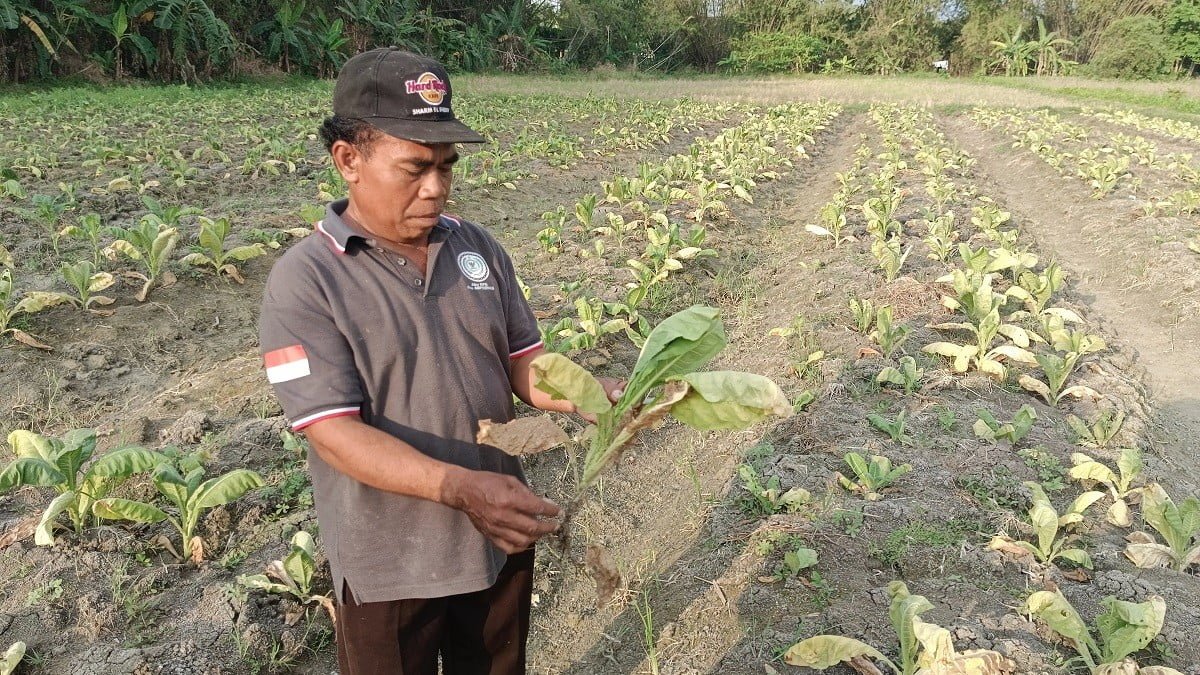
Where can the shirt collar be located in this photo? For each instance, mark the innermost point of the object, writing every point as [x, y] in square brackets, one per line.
[338, 233]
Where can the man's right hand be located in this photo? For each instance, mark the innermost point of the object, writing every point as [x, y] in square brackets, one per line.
[502, 508]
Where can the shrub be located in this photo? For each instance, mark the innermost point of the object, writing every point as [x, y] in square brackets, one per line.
[1133, 47]
[775, 53]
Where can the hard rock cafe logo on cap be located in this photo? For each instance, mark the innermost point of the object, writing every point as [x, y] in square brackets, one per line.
[428, 86]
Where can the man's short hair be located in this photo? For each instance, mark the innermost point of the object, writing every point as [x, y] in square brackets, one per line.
[354, 131]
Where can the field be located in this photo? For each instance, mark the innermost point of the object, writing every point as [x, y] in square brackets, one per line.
[977, 282]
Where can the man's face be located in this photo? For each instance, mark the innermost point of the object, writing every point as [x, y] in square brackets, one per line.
[399, 188]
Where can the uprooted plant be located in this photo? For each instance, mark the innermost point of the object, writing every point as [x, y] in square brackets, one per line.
[1123, 629]
[925, 648]
[58, 463]
[191, 496]
[665, 380]
[293, 576]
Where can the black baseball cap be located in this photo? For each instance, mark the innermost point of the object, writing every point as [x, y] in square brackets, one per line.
[403, 94]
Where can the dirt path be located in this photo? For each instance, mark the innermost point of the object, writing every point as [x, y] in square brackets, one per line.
[1118, 264]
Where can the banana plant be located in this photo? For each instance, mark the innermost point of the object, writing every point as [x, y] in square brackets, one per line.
[59, 463]
[83, 277]
[870, 477]
[1120, 483]
[1178, 525]
[924, 649]
[213, 234]
[293, 575]
[30, 302]
[189, 494]
[1047, 525]
[148, 243]
[1124, 628]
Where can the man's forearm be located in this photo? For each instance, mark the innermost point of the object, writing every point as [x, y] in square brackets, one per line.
[522, 384]
[383, 461]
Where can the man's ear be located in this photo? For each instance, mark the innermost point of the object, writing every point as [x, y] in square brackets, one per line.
[347, 159]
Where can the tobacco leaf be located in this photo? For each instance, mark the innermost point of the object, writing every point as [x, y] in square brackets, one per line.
[523, 436]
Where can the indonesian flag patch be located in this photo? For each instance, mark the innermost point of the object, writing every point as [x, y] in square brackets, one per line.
[287, 364]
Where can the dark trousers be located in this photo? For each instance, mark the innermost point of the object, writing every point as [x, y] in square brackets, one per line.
[480, 633]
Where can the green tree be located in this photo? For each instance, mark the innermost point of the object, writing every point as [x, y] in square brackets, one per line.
[1182, 23]
[1133, 47]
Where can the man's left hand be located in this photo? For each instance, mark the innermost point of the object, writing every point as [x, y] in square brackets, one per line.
[614, 388]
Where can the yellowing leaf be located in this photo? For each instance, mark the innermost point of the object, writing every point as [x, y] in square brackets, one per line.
[564, 379]
[729, 400]
[824, 651]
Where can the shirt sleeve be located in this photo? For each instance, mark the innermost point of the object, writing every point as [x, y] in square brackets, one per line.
[307, 358]
[523, 333]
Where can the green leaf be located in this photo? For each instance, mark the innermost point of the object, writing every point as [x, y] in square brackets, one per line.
[1078, 556]
[564, 379]
[77, 447]
[44, 534]
[800, 559]
[904, 608]
[1054, 610]
[30, 471]
[171, 485]
[683, 343]
[226, 488]
[114, 508]
[1161, 513]
[729, 400]
[1127, 627]
[824, 651]
[242, 253]
[125, 462]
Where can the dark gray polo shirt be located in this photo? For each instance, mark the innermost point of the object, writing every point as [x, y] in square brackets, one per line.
[348, 328]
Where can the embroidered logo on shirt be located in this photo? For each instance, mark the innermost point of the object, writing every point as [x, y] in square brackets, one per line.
[475, 269]
[287, 364]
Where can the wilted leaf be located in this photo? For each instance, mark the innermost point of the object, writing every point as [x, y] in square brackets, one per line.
[523, 436]
[197, 545]
[564, 379]
[729, 400]
[1126, 627]
[824, 651]
[603, 570]
[44, 535]
[1057, 613]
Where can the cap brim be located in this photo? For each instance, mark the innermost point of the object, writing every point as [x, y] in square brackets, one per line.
[431, 131]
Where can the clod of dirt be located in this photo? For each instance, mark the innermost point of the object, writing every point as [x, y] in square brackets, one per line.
[524, 436]
[603, 570]
[189, 429]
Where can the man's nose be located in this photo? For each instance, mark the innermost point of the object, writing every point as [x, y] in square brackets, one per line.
[433, 186]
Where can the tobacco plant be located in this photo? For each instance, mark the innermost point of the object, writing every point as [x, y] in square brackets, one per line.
[189, 495]
[1124, 628]
[887, 335]
[31, 302]
[890, 256]
[770, 498]
[924, 648]
[293, 575]
[665, 380]
[1101, 432]
[88, 228]
[213, 234]
[1178, 525]
[870, 477]
[863, 311]
[833, 223]
[989, 428]
[148, 243]
[59, 463]
[1048, 525]
[83, 277]
[908, 375]
[1119, 483]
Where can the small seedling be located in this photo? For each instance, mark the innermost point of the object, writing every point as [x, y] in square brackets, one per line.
[1108, 423]
[894, 428]
[1047, 525]
[1129, 465]
[293, 575]
[888, 336]
[908, 375]
[771, 498]
[870, 477]
[989, 428]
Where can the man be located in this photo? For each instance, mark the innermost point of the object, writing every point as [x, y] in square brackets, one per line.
[388, 335]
